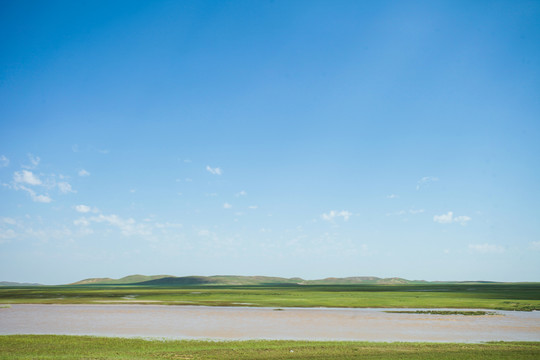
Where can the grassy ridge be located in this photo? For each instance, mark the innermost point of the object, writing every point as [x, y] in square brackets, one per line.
[86, 347]
[523, 297]
[235, 280]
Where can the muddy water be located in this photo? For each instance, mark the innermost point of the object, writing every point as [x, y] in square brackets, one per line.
[199, 322]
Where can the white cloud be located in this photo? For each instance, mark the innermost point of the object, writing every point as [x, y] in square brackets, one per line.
[227, 206]
[83, 172]
[334, 214]
[127, 226]
[241, 193]
[4, 161]
[168, 225]
[83, 208]
[41, 198]
[8, 220]
[65, 188]
[204, 232]
[26, 177]
[444, 219]
[449, 218]
[7, 234]
[253, 207]
[214, 171]
[33, 195]
[404, 212]
[392, 196]
[81, 222]
[486, 248]
[34, 162]
[462, 219]
[425, 180]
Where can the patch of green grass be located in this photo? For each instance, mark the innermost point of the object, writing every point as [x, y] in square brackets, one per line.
[86, 347]
[522, 297]
[442, 312]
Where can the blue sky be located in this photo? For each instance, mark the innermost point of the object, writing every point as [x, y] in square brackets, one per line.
[283, 138]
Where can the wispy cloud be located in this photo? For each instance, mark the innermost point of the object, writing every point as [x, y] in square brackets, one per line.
[227, 206]
[487, 248]
[240, 193]
[34, 162]
[398, 213]
[335, 214]
[168, 225]
[65, 188]
[392, 196]
[85, 209]
[6, 234]
[214, 171]
[253, 207]
[26, 177]
[81, 222]
[425, 181]
[449, 218]
[35, 197]
[4, 161]
[535, 245]
[404, 212]
[8, 220]
[204, 233]
[83, 173]
[127, 227]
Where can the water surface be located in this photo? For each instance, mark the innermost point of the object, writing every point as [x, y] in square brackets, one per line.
[227, 323]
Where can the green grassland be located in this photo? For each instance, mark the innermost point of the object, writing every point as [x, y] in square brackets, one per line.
[502, 296]
[87, 347]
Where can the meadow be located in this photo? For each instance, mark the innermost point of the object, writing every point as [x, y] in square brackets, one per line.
[87, 347]
[501, 296]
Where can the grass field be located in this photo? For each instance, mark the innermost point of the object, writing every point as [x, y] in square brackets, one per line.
[86, 347]
[523, 297]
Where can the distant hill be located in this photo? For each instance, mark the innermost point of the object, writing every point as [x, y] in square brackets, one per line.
[131, 279]
[11, 283]
[168, 280]
[222, 280]
[362, 280]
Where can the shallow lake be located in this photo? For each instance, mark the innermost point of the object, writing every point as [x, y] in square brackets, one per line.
[227, 323]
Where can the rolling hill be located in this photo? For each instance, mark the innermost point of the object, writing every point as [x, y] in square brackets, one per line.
[168, 280]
